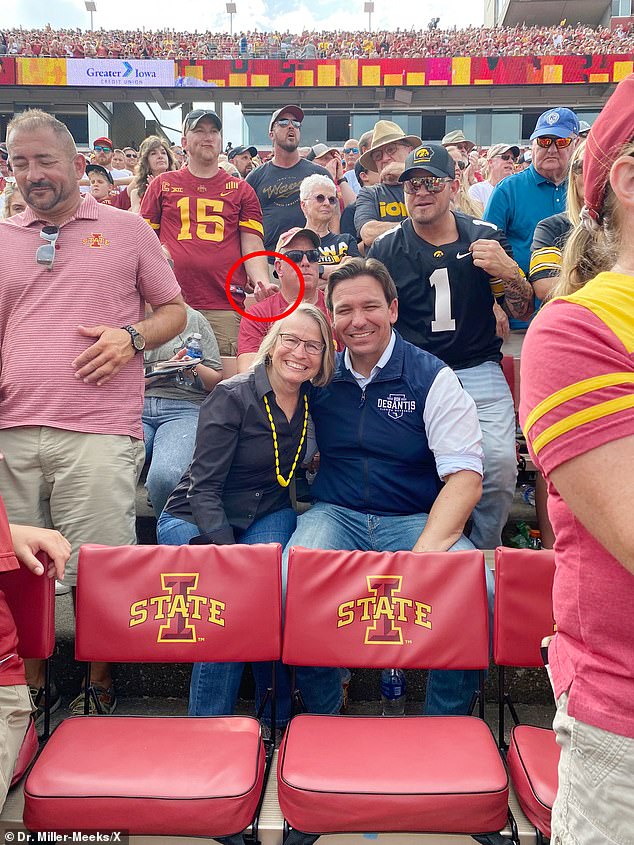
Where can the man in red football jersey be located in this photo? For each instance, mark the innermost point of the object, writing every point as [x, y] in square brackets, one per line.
[208, 220]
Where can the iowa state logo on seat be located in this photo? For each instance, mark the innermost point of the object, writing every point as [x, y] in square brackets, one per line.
[383, 609]
[178, 609]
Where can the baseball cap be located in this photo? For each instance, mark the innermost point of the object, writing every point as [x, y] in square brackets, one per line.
[286, 237]
[584, 127]
[297, 113]
[456, 137]
[103, 142]
[192, 119]
[320, 150]
[559, 122]
[236, 151]
[500, 149]
[433, 158]
[97, 168]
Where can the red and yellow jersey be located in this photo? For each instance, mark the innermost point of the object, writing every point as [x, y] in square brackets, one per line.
[578, 372]
[577, 377]
[200, 222]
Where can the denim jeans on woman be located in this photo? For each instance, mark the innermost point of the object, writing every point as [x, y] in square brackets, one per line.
[214, 686]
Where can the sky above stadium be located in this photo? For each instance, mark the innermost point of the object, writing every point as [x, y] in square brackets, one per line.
[264, 15]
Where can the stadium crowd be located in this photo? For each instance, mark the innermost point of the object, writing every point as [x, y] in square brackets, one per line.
[565, 39]
[409, 260]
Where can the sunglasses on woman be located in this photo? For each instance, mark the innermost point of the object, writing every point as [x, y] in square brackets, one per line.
[560, 143]
[321, 198]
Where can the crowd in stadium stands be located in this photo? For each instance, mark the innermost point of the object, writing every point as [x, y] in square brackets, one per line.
[446, 243]
[432, 42]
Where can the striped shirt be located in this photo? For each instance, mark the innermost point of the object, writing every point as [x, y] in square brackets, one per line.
[107, 264]
[578, 394]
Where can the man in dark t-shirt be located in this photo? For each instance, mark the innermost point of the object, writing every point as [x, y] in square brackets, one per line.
[277, 182]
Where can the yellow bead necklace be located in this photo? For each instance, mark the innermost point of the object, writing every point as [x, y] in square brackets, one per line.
[284, 482]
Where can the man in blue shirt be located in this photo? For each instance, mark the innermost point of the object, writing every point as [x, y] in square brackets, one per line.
[519, 202]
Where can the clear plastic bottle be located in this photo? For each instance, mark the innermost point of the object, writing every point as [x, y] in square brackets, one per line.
[393, 692]
[194, 346]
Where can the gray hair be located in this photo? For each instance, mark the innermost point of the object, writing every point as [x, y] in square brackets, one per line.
[311, 183]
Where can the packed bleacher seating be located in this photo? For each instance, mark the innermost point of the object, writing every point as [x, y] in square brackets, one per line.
[565, 39]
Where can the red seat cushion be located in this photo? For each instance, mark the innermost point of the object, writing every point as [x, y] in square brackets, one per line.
[26, 754]
[533, 758]
[347, 773]
[149, 775]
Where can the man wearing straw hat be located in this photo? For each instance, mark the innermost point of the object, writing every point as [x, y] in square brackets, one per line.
[382, 207]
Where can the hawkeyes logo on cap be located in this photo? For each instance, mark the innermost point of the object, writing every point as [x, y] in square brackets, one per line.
[423, 154]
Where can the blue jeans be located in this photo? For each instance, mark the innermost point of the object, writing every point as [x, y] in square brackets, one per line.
[489, 390]
[169, 431]
[327, 526]
[214, 686]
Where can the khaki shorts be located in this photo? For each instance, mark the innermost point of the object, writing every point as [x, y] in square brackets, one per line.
[595, 799]
[225, 325]
[15, 709]
[84, 485]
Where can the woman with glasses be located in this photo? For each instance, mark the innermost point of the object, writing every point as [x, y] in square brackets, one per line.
[155, 157]
[318, 199]
[251, 438]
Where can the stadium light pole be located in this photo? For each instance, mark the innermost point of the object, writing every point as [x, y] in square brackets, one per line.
[231, 10]
[91, 7]
[368, 8]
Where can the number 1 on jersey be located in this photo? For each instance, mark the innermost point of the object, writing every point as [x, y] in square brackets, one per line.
[443, 321]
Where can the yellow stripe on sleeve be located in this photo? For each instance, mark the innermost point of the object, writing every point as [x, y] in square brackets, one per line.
[253, 224]
[596, 412]
[547, 255]
[155, 226]
[579, 388]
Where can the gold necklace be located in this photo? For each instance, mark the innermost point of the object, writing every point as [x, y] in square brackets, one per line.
[284, 482]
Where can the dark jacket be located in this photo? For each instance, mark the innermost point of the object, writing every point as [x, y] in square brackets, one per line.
[231, 481]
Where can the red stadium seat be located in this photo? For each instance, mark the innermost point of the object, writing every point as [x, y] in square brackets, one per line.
[31, 600]
[399, 774]
[523, 617]
[508, 368]
[187, 776]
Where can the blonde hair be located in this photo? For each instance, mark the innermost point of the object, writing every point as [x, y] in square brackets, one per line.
[588, 253]
[327, 367]
[464, 202]
[574, 201]
[10, 190]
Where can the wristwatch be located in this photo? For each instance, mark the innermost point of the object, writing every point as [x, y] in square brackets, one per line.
[342, 180]
[138, 341]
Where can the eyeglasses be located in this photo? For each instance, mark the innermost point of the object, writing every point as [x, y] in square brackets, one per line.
[296, 255]
[577, 167]
[312, 347]
[131, 155]
[432, 184]
[560, 143]
[507, 157]
[287, 121]
[99, 149]
[354, 150]
[45, 254]
[388, 150]
[321, 198]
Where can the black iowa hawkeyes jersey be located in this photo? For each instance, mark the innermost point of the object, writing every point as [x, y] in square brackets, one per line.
[445, 304]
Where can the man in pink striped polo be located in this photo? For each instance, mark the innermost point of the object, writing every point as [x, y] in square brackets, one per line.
[73, 287]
